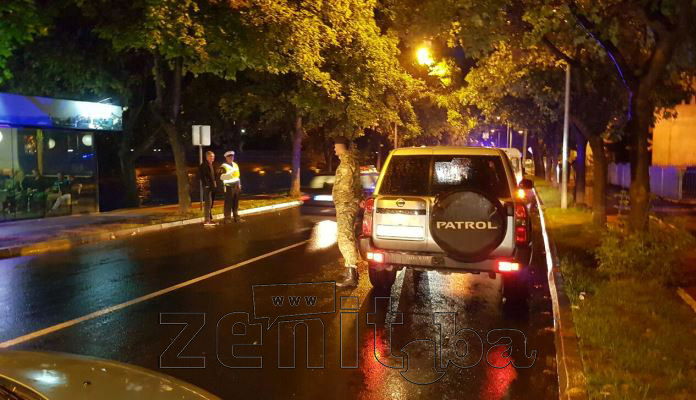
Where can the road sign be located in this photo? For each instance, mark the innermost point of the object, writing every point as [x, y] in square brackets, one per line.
[200, 135]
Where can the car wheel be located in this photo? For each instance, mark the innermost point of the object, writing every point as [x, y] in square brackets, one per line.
[382, 278]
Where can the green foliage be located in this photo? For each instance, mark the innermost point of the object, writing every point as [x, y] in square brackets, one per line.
[349, 79]
[636, 341]
[650, 255]
[69, 64]
[20, 22]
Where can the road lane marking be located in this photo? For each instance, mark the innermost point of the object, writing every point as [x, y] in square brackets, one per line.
[108, 310]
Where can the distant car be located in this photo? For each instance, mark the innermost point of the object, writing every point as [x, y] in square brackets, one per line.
[317, 196]
[28, 375]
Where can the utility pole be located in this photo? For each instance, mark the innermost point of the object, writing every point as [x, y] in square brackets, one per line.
[524, 150]
[564, 158]
[509, 136]
[396, 137]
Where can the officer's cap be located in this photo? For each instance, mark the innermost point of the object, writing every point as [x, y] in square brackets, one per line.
[229, 153]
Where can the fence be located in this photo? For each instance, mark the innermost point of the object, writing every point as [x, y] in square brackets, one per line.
[669, 182]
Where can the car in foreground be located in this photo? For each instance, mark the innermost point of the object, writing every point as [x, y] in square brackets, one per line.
[29, 375]
[452, 210]
[317, 198]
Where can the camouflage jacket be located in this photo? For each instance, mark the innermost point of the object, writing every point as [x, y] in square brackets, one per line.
[347, 188]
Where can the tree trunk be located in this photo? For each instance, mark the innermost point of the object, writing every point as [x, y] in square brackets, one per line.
[167, 120]
[639, 129]
[130, 198]
[129, 152]
[599, 181]
[128, 158]
[296, 157]
[539, 170]
[580, 146]
[182, 179]
[552, 162]
[327, 150]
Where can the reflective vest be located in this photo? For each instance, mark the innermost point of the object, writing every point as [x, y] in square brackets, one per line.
[231, 174]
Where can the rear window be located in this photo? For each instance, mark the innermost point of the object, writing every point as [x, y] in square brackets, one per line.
[409, 175]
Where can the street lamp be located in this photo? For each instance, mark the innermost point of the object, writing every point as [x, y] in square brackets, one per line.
[424, 57]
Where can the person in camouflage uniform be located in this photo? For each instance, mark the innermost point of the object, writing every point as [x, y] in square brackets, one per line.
[347, 193]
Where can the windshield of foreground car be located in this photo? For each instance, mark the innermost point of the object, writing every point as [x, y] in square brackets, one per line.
[411, 175]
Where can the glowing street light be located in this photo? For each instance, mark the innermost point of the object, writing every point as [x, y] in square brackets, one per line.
[424, 57]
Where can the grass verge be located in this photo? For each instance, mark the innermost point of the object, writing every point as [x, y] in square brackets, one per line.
[636, 336]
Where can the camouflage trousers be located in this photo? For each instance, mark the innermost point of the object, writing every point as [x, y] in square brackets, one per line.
[346, 215]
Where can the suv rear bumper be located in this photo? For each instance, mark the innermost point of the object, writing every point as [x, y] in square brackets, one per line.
[440, 261]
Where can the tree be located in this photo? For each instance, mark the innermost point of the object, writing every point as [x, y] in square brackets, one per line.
[21, 22]
[360, 83]
[651, 46]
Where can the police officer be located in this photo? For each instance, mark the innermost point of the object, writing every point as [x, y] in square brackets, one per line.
[347, 193]
[232, 186]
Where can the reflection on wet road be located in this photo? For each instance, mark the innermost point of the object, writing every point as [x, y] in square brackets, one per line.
[433, 336]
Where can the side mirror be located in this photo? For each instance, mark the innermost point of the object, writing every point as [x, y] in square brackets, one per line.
[526, 184]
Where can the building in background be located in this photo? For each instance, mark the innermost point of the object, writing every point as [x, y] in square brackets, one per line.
[48, 156]
[674, 139]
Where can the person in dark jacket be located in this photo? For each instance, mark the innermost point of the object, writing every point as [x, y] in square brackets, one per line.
[207, 175]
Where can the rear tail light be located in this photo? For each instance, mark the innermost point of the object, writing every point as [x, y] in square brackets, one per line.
[367, 217]
[305, 197]
[521, 194]
[521, 228]
[507, 266]
[375, 256]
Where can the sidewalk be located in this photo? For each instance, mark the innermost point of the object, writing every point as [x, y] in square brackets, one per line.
[36, 236]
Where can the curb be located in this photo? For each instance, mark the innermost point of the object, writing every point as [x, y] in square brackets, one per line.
[572, 383]
[63, 244]
[688, 299]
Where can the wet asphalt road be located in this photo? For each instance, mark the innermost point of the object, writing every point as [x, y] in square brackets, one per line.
[40, 292]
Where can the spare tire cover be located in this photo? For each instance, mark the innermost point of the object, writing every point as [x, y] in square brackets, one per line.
[468, 225]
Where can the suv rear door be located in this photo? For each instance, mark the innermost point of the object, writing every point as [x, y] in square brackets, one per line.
[407, 190]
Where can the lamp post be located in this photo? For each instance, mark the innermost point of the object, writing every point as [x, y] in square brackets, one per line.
[423, 55]
[564, 157]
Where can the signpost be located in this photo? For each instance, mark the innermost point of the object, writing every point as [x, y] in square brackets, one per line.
[200, 134]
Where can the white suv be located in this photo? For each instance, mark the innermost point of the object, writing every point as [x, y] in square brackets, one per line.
[451, 209]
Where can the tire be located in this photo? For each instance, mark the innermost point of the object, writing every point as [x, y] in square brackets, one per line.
[382, 279]
[467, 224]
[516, 288]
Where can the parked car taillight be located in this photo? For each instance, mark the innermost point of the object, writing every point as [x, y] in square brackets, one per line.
[521, 228]
[367, 217]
